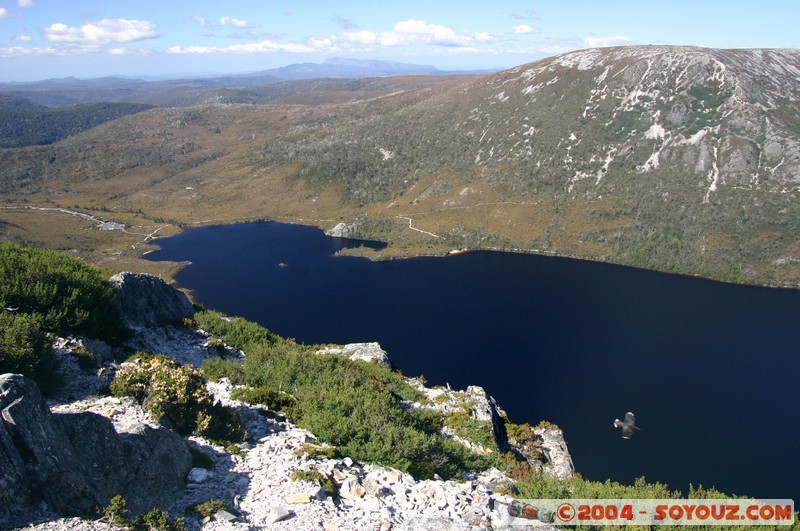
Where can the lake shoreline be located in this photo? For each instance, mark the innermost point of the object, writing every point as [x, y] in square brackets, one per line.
[555, 316]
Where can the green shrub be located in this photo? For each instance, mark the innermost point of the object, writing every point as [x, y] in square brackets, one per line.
[177, 393]
[471, 429]
[314, 451]
[266, 396]
[116, 513]
[544, 486]
[352, 405]
[85, 359]
[209, 508]
[157, 520]
[25, 349]
[325, 482]
[71, 296]
[235, 331]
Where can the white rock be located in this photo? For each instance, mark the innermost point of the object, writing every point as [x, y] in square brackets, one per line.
[198, 475]
[371, 352]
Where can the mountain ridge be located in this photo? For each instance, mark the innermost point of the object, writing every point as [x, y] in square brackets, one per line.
[679, 159]
[71, 90]
[615, 130]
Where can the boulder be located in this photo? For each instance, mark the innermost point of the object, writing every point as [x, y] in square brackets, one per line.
[343, 230]
[147, 301]
[38, 461]
[371, 352]
[76, 462]
[146, 465]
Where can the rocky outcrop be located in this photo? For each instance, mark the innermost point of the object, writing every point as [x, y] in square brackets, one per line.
[77, 455]
[153, 308]
[260, 488]
[38, 462]
[147, 301]
[371, 352]
[554, 448]
[76, 462]
[343, 230]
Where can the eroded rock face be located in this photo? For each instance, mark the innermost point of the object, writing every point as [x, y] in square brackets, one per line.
[39, 462]
[146, 465]
[147, 301]
[76, 462]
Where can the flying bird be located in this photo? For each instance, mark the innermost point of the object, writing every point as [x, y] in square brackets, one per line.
[627, 425]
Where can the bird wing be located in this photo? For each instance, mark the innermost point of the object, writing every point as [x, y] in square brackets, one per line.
[629, 418]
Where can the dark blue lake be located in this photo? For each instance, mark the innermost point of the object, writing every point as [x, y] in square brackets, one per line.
[710, 369]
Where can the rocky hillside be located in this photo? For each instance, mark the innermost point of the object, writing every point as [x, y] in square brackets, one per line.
[72, 454]
[681, 159]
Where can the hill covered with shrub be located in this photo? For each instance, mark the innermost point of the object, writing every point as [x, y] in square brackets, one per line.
[30, 127]
[677, 159]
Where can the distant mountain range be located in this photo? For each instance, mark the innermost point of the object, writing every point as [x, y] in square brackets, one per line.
[673, 158]
[66, 91]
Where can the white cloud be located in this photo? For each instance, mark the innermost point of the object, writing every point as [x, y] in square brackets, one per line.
[4, 13]
[554, 49]
[420, 32]
[25, 3]
[603, 42]
[141, 52]
[223, 21]
[202, 21]
[524, 29]
[101, 33]
[404, 33]
[410, 32]
[235, 22]
[18, 51]
[92, 37]
[265, 46]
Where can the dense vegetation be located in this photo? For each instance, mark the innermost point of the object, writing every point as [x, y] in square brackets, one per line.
[68, 295]
[38, 127]
[13, 102]
[42, 292]
[26, 349]
[352, 405]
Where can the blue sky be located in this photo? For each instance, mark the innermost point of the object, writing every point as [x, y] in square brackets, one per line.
[41, 39]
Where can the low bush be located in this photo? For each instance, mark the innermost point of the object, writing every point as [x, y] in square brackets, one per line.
[25, 349]
[268, 397]
[325, 482]
[209, 508]
[235, 331]
[544, 486]
[116, 513]
[177, 393]
[473, 430]
[352, 405]
[71, 296]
